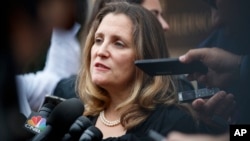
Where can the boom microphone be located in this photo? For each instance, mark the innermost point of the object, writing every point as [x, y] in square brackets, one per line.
[77, 128]
[60, 119]
[92, 133]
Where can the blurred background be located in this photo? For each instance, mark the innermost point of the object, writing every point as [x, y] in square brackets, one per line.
[189, 20]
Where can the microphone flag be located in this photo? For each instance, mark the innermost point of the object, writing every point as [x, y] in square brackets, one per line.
[35, 123]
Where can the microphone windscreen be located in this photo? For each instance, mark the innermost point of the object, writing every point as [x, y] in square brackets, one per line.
[97, 132]
[81, 124]
[77, 128]
[49, 105]
[46, 109]
[65, 113]
[91, 134]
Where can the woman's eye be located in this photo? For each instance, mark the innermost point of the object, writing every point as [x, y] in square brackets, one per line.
[98, 40]
[119, 44]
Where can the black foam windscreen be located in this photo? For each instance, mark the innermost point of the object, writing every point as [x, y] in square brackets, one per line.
[81, 124]
[65, 114]
[46, 109]
[77, 128]
[60, 120]
[92, 133]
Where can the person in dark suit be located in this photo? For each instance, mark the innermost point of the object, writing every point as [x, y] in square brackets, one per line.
[231, 33]
[66, 88]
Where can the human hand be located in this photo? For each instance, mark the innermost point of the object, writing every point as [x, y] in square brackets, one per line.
[177, 136]
[223, 66]
[219, 105]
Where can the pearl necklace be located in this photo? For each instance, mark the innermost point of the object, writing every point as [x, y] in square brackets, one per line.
[107, 122]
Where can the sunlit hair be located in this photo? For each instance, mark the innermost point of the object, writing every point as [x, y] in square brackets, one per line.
[146, 92]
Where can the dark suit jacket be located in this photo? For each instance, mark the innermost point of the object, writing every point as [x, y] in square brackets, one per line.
[66, 88]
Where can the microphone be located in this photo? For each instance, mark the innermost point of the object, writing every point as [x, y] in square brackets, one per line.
[36, 122]
[92, 133]
[60, 119]
[77, 128]
[46, 109]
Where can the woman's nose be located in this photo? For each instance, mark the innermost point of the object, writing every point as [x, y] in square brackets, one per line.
[103, 51]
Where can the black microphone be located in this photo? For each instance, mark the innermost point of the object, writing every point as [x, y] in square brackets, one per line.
[77, 128]
[92, 133]
[46, 109]
[60, 119]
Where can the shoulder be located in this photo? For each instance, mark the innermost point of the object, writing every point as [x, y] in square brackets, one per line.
[171, 113]
[66, 88]
[173, 118]
[165, 119]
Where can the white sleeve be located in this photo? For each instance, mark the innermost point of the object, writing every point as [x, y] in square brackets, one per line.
[33, 88]
[64, 53]
[63, 60]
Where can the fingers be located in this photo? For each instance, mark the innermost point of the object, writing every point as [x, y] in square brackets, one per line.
[211, 104]
[194, 54]
[221, 104]
[215, 102]
[176, 136]
[227, 107]
[198, 104]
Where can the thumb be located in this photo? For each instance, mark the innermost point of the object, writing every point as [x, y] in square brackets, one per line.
[198, 104]
[194, 54]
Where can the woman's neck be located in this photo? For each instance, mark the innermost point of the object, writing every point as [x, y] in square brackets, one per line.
[117, 96]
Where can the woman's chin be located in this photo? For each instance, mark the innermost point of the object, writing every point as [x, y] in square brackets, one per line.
[100, 82]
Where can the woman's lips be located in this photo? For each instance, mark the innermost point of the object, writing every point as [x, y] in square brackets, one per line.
[100, 66]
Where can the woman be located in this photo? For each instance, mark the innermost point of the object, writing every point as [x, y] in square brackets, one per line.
[122, 101]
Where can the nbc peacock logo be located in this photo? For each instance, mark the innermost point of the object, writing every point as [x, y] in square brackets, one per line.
[36, 124]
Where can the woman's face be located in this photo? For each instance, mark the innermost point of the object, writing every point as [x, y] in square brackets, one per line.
[112, 54]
